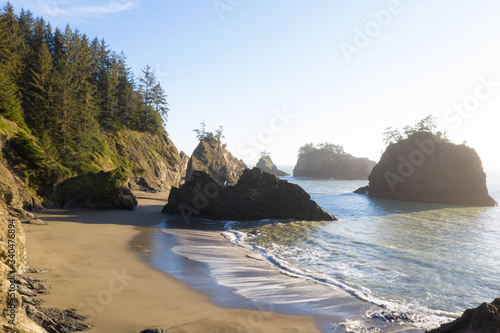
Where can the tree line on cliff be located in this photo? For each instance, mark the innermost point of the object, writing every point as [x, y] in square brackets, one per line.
[66, 89]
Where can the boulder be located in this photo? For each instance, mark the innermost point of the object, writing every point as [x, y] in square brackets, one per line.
[425, 168]
[97, 190]
[211, 157]
[325, 164]
[266, 164]
[257, 195]
[485, 319]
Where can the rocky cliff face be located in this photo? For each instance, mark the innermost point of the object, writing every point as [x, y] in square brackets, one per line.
[214, 159]
[326, 164]
[265, 163]
[425, 168]
[153, 160]
[21, 311]
[13, 196]
[257, 195]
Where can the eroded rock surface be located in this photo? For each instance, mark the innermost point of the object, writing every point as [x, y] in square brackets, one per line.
[257, 195]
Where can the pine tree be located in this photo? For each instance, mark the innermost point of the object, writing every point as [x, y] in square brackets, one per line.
[40, 97]
[10, 64]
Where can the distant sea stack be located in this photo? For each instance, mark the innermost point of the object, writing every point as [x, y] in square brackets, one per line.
[265, 163]
[257, 195]
[211, 157]
[330, 161]
[426, 168]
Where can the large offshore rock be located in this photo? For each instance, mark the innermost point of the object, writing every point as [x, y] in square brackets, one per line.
[321, 163]
[266, 164]
[425, 168]
[214, 159]
[257, 195]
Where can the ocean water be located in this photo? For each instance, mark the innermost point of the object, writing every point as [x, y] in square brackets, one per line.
[429, 260]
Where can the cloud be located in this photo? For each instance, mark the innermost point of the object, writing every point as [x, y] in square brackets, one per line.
[74, 10]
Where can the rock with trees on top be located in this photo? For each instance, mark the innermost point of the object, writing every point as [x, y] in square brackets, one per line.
[422, 165]
[327, 160]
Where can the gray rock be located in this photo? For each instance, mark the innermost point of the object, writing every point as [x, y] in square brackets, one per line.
[266, 164]
[484, 319]
[425, 168]
[213, 158]
[324, 164]
[97, 190]
[257, 195]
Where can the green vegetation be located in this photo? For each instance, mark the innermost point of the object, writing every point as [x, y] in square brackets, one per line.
[67, 92]
[428, 124]
[95, 186]
[70, 106]
[322, 147]
[32, 162]
[210, 137]
[265, 160]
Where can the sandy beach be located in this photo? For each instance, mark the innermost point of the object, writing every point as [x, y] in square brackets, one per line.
[92, 269]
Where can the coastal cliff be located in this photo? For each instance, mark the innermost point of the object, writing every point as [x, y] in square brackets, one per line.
[211, 157]
[323, 163]
[425, 168]
[18, 290]
[267, 164]
[152, 160]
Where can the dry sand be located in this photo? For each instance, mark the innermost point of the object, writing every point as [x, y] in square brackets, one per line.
[92, 269]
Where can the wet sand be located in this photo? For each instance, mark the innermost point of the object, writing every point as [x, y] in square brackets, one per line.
[92, 268]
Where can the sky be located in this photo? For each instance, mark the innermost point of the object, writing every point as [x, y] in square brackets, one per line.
[277, 74]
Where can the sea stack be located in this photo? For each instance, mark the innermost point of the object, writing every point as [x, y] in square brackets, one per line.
[257, 195]
[211, 157]
[325, 163]
[426, 168]
[267, 164]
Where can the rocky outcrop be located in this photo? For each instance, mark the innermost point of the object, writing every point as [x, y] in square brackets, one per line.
[427, 169]
[97, 190]
[153, 162]
[325, 164]
[266, 164]
[485, 318]
[214, 159]
[257, 195]
[184, 165]
[20, 306]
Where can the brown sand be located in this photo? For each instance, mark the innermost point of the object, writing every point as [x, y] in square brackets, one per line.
[92, 269]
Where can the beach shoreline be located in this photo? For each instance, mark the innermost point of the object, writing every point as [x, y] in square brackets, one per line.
[93, 269]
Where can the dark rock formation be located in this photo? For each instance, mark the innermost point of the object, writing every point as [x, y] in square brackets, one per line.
[152, 330]
[257, 195]
[97, 190]
[485, 319]
[55, 321]
[325, 164]
[266, 164]
[213, 158]
[425, 168]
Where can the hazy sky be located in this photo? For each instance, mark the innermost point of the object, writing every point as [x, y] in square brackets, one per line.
[280, 73]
